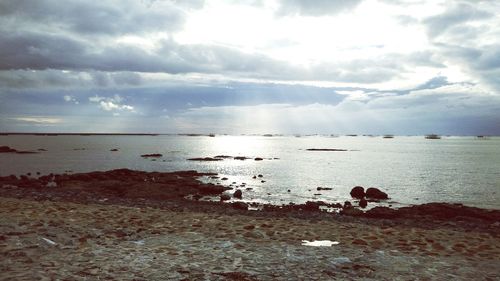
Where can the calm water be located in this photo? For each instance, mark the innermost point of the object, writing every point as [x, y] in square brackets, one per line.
[412, 170]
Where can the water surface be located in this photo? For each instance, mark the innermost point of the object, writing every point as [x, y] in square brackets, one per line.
[412, 170]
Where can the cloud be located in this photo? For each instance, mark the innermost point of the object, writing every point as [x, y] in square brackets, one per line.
[39, 120]
[111, 103]
[108, 17]
[315, 8]
[457, 14]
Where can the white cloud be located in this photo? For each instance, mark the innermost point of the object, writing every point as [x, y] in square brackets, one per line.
[39, 120]
[111, 103]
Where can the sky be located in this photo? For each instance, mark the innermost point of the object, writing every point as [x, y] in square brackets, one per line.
[405, 67]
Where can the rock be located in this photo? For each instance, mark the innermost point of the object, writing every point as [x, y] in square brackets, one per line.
[114, 149]
[311, 206]
[325, 149]
[240, 158]
[224, 179]
[6, 149]
[262, 181]
[224, 197]
[260, 176]
[323, 188]
[258, 159]
[375, 193]
[337, 206]
[381, 212]
[238, 194]
[353, 212]
[240, 205]
[363, 203]
[347, 204]
[152, 155]
[358, 192]
[205, 159]
[223, 156]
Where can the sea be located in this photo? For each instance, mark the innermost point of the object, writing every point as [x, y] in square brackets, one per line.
[410, 169]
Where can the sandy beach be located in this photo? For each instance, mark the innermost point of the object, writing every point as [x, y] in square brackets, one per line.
[48, 236]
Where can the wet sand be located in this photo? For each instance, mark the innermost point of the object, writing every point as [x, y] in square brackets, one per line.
[49, 236]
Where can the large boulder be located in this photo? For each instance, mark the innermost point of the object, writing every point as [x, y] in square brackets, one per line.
[375, 193]
[358, 192]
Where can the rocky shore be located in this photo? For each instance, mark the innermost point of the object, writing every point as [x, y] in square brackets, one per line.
[133, 225]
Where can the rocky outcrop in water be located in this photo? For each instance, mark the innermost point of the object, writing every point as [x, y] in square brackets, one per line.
[375, 193]
[357, 192]
[151, 155]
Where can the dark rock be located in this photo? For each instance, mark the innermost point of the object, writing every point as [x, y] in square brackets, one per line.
[347, 204]
[363, 203]
[262, 181]
[311, 206]
[337, 205]
[224, 197]
[325, 149]
[260, 176]
[381, 212]
[224, 179]
[238, 194]
[207, 189]
[357, 192]
[446, 211]
[353, 212]
[254, 177]
[205, 159]
[240, 205]
[241, 158]
[258, 159]
[223, 156]
[375, 193]
[323, 188]
[6, 149]
[114, 149]
[152, 155]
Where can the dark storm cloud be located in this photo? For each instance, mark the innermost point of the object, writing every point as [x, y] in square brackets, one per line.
[315, 8]
[92, 17]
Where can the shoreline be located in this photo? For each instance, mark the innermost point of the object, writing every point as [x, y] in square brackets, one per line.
[94, 225]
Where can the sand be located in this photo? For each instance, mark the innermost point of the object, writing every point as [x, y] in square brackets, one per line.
[60, 240]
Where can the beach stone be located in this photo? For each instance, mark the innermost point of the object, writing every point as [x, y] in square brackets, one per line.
[357, 192]
[363, 203]
[238, 194]
[258, 159]
[224, 197]
[376, 193]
